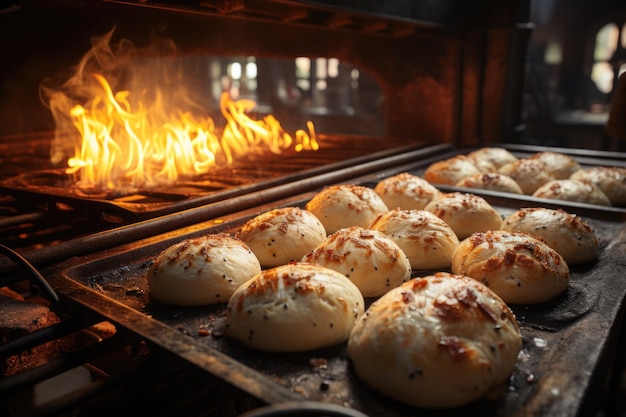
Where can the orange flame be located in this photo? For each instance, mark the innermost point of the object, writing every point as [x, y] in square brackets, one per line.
[125, 142]
[119, 145]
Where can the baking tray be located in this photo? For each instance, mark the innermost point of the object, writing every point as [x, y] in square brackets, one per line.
[567, 349]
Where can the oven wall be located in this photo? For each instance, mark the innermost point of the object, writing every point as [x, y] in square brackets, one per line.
[450, 71]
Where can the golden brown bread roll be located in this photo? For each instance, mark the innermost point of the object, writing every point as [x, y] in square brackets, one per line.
[494, 181]
[572, 190]
[427, 240]
[370, 259]
[465, 213]
[529, 174]
[450, 171]
[406, 191]
[294, 307]
[440, 341]
[610, 180]
[282, 235]
[201, 271]
[560, 165]
[566, 233]
[491, 158]
[346, 205]
[518, 267]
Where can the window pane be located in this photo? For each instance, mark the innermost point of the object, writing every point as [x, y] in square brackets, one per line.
[602, 75]
[553, 54]
[606, 42]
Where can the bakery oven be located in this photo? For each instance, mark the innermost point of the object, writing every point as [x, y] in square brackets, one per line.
[127, 126]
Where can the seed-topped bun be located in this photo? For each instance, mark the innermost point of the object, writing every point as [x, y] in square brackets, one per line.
[370, 259]
[560, 165]
[293, 308]
[406, 191]
[566, 233]
[282, 235]
[441, 341]
[346, 205]
[572, 190]
[201, 271]
[610, 180]
[465, 213]
[518, 267]
[450, 171]
[427, 240]
[494, 181]
[529, 174]
[490, 158]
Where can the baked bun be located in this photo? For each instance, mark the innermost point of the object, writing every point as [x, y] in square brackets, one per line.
[346, 205]
[293, 308]
[518, 267]
[566, 233]
[370, 259]
[450, 171]
[490, 158]
[406, 191]
[282, 235]
[427, 240]
[437, 342]
[610, 180]
[572, 190]
[465, 213]
[494, 181]
[201, 271]
[560, 165]
[529, 174]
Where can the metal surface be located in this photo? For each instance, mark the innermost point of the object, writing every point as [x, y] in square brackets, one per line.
[568, 343]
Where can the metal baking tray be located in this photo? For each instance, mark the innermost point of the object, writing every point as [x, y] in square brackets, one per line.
[568, 343]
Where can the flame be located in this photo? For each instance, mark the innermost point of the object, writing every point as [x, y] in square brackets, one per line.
[129, 142]
[120, 146]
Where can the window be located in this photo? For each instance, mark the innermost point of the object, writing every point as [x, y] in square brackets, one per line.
[608, 56]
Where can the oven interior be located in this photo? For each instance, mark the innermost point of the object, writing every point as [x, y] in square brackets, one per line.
[389, 88]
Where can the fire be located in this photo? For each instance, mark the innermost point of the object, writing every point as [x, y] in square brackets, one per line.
[126, 142]
[121, 146]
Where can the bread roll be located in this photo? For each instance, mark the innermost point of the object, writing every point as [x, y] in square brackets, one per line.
[518, 267]
[560, 165]
[529, 174]
[370, 259]
[201, 271]
[437, 342]
[406, 191]
[494, 181]
[346, 205]
[566, 233]
[465, 213]
[294, 307]
[572, 190]
[282, 235]
[491, 158]
[427, 240]
[610, 180]
[451, 170]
